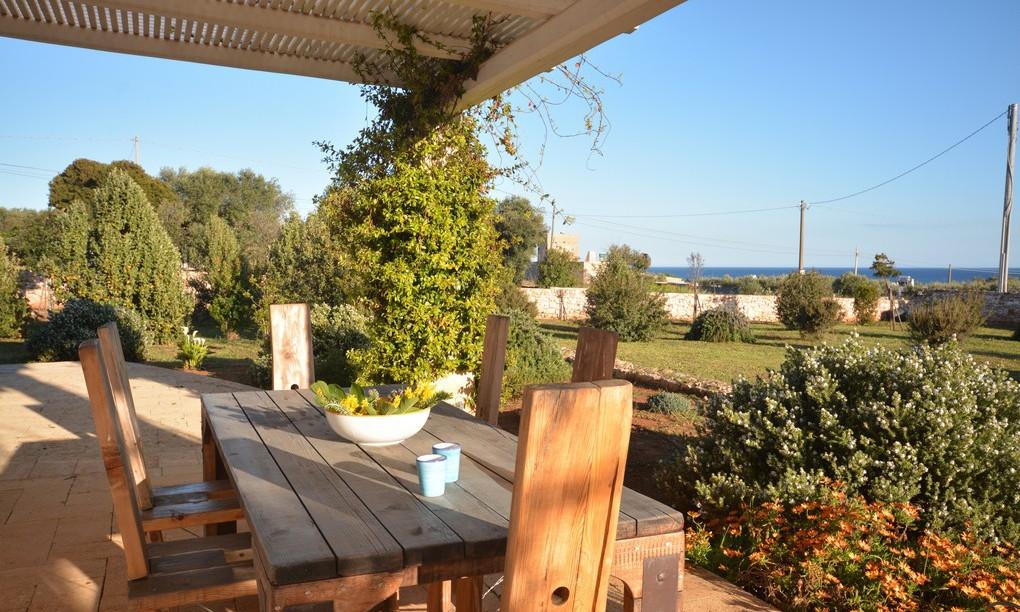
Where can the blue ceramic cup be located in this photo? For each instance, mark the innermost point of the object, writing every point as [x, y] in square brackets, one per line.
[432, 475]
[450, 450]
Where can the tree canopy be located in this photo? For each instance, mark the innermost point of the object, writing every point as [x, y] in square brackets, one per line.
[112, 249]
[254, 206]
[522, 229]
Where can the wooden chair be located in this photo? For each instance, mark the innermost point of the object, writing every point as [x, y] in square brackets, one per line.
[566, 499]
[595, 355]
[490, 380]
[187, 505]
[290, 327]
[163, 574]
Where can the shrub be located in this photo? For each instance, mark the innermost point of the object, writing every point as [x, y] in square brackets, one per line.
[335, 331]
[13, 307]
[559, 269]
[522, 230]
[58, 339]
[722, 324]
[511, 298]
[865, 293]
[669, 403]
[192, 349]
[619, 301]
[939, 319]
[114, 250]
[422, 245]
[230, 307]
[306, 265]
[840, 552]
[532, 356]
[805, 303]
[929, 426]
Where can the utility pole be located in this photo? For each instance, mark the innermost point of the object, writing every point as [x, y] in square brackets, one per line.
[136, 149]
[554, 211]
[1007, 203]
[800, 260]
[857, 254]
[950, 281]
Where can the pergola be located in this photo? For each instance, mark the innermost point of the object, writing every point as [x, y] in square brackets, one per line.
[321, 38]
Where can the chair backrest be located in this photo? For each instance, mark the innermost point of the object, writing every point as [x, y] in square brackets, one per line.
[111, 447]
[490, 380]
[595, 355]
[112, 355]
[293, 362]
[566, 499]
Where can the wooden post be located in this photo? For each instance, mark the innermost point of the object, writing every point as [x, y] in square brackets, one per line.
[595, 355]
[293, 362]
[566, 498]
[490, 382]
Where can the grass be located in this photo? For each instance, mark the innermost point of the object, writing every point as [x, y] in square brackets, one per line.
[229, 358]
[727, 361]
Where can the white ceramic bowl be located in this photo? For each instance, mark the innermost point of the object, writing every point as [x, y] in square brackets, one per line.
[382, 430]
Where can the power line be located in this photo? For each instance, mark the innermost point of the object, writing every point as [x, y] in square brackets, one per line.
[29, 167]
[697, 214]
[917, 167]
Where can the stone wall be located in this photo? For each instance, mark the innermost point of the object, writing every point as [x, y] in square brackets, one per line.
[568, 304]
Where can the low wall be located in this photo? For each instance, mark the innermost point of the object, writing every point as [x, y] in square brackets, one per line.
[567, 303]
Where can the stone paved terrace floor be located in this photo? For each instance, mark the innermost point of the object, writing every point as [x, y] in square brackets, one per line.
[58, 544]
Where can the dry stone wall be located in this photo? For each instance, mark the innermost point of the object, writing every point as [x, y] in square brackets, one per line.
[567, 303]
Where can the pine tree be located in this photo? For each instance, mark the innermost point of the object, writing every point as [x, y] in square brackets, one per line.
[115, 250]
[13, 308]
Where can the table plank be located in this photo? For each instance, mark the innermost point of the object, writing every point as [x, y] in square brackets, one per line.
[496, 449]
[282, 530]
[360, 543]
[483, 530]
[422, 535]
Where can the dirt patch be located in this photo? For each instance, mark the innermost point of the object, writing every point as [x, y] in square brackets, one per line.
[653, 438]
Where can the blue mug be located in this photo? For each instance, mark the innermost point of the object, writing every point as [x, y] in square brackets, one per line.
[432, 475]
[450, 450]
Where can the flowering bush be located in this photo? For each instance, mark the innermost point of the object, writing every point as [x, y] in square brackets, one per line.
[928, 426]
[192, 349]
[840, 552]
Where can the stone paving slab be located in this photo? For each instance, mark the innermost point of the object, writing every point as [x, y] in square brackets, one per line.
[59, 549]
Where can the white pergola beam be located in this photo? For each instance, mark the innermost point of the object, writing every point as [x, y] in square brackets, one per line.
[534, 9]
[171, 49]
[585, 24]
[261, 19]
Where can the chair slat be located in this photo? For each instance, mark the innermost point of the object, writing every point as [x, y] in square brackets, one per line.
[111, 446]
[291, 330]
[566, 499]
[490, 383]
[112, 354]
[595, 355]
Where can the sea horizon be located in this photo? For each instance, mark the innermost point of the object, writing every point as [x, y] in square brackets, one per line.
[919, 274]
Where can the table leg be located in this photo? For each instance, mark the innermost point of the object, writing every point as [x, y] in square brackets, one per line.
[651, 569]
[467, 594]
[438, 596]
[213, 468]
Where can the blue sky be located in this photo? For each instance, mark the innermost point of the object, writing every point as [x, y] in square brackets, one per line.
[724, 105]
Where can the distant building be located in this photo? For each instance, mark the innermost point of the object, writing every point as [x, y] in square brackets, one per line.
[570, 243]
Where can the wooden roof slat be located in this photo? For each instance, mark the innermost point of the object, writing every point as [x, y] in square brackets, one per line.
[320, 38]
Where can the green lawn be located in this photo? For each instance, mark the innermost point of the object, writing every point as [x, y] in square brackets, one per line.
[228, 358]
[724, 362]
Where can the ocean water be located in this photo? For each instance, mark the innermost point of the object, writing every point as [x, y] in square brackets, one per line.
[920, 275]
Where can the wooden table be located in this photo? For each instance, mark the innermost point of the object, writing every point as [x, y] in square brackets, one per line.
[328, 516]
